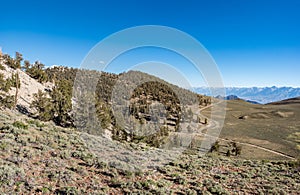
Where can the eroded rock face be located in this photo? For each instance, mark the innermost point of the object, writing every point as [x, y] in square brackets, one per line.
[28, 88]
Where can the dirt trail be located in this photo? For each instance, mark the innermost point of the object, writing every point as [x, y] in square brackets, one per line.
[215, 124]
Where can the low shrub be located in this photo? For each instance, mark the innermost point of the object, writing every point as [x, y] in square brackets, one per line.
[20, 125]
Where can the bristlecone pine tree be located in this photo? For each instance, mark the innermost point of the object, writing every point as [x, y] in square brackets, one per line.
[62, 105]
[36, 71]
[43, 105]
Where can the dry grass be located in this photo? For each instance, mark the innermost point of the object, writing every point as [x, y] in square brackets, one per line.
[269, 126]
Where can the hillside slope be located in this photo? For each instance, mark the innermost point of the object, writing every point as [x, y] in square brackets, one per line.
[65, 106]
[273, 126]
[41, 158]
[28, 87]
[287, 101]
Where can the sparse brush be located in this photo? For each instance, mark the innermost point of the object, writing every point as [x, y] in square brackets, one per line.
[20, 125]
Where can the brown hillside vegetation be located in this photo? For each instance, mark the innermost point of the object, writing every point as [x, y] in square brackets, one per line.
[41, 158]
[288, 101]
[272, 126]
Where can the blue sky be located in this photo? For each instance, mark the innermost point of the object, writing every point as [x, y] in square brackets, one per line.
[254, 43]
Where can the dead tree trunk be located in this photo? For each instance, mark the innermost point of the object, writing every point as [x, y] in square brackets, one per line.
[17, 89]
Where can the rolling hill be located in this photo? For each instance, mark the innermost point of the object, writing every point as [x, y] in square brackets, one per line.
[273, 126]
[287, 101]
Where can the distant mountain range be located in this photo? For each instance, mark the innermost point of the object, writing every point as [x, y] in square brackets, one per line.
[234, 97]
[261, 95]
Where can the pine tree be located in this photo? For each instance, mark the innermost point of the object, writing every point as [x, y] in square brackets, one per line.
[36, 71]
[26, 66]
[43, 106]
[215, 147]
[103, 113]
[17, 88]
[6, 100]
[228, 153]
[62, 105]
[238, 150]
[2, 82]
[18, 60]
[13, 63]
[1, 66]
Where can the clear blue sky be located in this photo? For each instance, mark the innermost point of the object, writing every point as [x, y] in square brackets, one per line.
[254, 42]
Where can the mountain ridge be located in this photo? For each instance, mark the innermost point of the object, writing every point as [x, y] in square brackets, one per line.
[261, 95]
